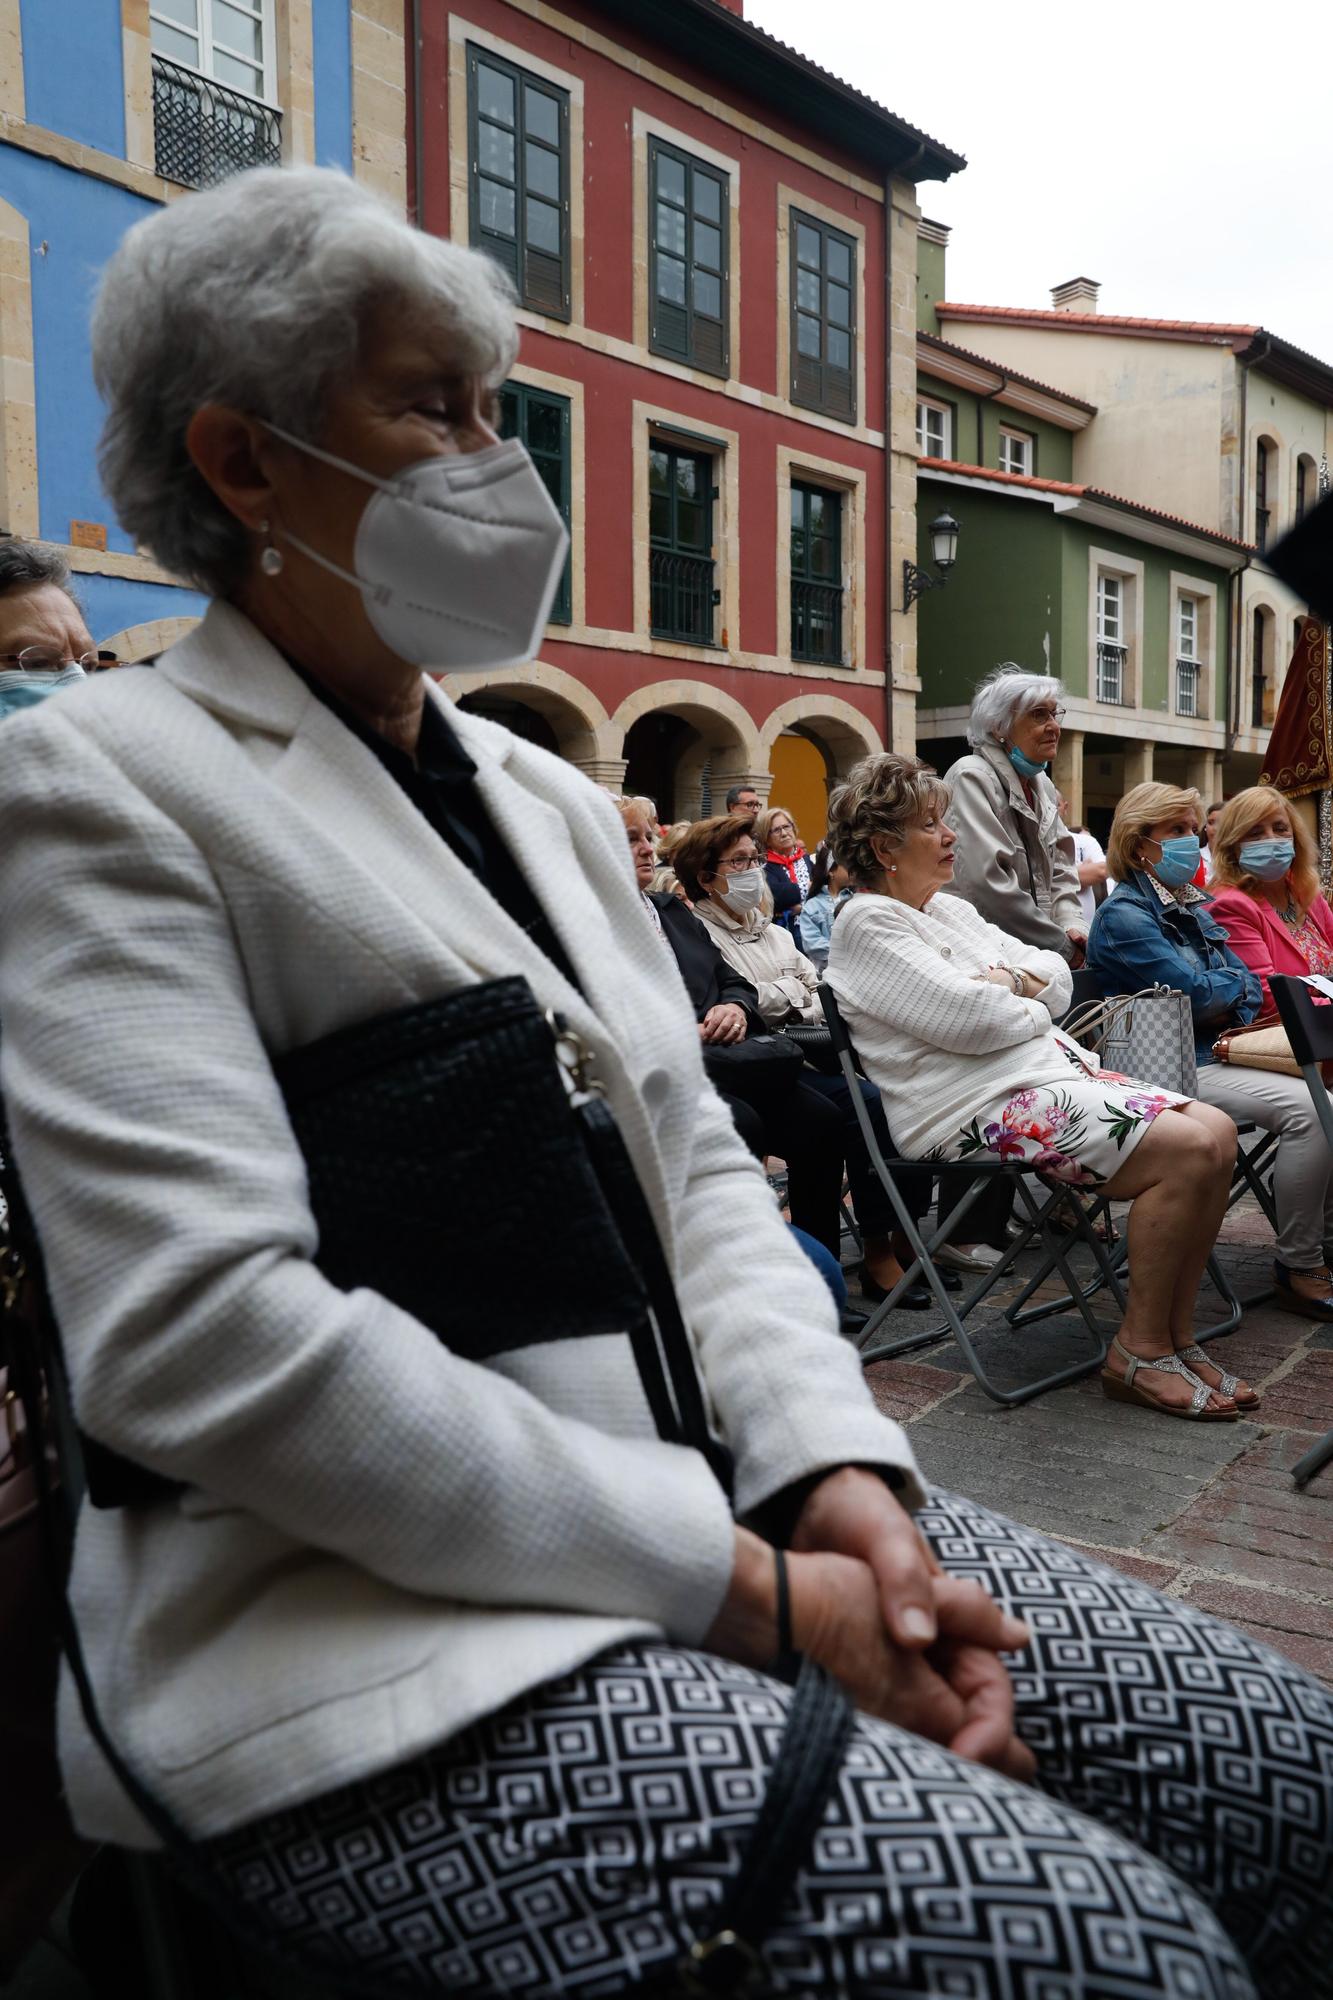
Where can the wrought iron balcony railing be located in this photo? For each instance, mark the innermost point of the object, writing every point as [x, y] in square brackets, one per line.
[1187, 687]
[202, 132]
[682, 597]
[1111, 672]
[816, 622]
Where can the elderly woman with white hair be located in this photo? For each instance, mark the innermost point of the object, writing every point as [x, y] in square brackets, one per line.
[440, 1633]
[1015, 861]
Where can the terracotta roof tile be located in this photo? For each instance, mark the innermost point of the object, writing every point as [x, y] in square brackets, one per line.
[1091, 322]
[1076, 493]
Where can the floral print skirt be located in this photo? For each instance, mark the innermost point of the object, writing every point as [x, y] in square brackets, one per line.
[1081, 1131]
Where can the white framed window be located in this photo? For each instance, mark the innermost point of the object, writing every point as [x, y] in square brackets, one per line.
[1187, 656]
[231, 41]
[934, 428]
[1112, 649]
[1017, 451]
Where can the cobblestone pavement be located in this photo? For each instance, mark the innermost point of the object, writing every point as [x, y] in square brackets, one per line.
[1205, 1512]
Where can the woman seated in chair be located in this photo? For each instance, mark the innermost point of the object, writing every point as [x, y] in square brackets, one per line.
[955, 1022]
[1266, 915]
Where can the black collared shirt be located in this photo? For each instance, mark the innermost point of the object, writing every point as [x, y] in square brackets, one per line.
[439, 781]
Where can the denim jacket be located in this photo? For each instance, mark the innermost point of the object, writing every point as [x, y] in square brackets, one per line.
[1136, 941]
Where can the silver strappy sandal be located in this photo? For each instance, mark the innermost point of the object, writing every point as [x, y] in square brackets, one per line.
[1229, 1384]
[1123, 1389]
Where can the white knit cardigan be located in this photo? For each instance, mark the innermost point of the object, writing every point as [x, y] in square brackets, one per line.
[938, 1042]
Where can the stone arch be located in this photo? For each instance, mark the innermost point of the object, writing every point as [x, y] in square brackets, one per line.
[842, 731]
[18, 402]
[722, 739]
[583, 732]
[145, 642]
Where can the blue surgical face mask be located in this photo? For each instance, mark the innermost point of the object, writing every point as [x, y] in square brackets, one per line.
[19, 690]
[1023, 764]
[1267, 860]
[1180, 861]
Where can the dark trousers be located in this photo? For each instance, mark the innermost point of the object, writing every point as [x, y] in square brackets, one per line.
[806, 1131]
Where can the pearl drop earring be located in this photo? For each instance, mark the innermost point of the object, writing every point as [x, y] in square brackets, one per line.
[270, 559]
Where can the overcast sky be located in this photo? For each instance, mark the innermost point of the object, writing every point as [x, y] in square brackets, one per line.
[1180, 153]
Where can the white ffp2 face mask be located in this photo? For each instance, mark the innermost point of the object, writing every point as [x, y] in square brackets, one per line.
[744, 892]
[458, 558]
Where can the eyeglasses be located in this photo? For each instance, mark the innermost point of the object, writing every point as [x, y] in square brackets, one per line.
[737, 864]
[1048, 712]
[43, 660]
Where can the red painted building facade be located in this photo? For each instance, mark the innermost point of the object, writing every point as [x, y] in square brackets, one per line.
[714, 244]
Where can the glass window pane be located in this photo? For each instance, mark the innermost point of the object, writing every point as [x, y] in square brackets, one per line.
[495, 150]
[687, 478]
[659, 517]
[798, 555]
[544, 427]
[238, 33]
[807, 335]
[238, 75]
[495, 206]
[508, 425]
[839, 348]
[838, 304]
[543, 170]
[689, 525]
[553, 479]
[671, 280]
[821, 558]
[838, 261]
[541, 115]
[708, 246]
[543, 226]
[708, 294]
[670, 230]
[184, 11]
[807, 245]
[818, 512]
[495, 94]
[797, 506]
[658, 471]
[707, 197]
[807, 291]
[172, 43]
[671, 179]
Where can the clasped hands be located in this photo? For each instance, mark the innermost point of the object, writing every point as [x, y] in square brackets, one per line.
[872, 1605]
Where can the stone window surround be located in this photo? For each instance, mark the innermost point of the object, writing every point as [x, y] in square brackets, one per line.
[646, 126]
[461, 33]
[1205, 638]
[292, 66]
[847, 225]
[650, 424]
[850, 482]
[1105, 562]
[268, 48]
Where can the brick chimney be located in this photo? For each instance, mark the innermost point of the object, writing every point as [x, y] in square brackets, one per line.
[733, 6]
[1076, 295]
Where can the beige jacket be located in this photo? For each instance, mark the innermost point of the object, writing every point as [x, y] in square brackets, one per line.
[379, 1541]
[1014, 865]
[770, 959]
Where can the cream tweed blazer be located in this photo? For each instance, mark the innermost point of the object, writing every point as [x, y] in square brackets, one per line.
[200, 867]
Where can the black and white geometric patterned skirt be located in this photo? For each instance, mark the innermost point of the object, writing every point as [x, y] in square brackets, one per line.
[1180, 1842]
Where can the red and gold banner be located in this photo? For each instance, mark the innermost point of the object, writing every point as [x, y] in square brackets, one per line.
[1300, 754]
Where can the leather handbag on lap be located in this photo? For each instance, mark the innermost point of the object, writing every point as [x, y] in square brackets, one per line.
[431, 1137]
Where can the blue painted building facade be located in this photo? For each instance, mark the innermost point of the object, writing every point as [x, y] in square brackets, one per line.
[77, 200]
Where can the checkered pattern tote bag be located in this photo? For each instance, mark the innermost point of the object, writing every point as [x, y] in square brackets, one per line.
[1147, 1035]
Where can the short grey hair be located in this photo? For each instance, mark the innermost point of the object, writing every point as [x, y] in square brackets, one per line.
[26, 565]
[1007, 692]
[881, 799]
[256, 294]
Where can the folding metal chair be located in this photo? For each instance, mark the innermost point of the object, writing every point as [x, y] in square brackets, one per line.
[1040, 1212]
[1309, 1029]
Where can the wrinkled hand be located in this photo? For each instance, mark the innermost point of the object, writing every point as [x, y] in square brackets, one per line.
[957, 1693]
[1078, 940]
[853, 1513]
[724, 1023]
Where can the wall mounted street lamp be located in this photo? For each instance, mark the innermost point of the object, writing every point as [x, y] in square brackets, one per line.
[944, 548]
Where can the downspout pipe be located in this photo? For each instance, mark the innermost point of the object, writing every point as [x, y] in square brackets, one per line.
[989, 397]
[418, 143]
[905, 172]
